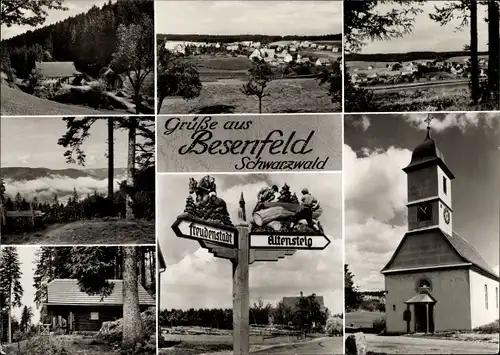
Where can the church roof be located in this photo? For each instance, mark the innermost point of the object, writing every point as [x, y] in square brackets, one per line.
[469, 253]
[425, 154]
[421, 298]
[466, 251]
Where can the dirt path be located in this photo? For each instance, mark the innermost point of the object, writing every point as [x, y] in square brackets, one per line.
[113, 231]
[412, 345]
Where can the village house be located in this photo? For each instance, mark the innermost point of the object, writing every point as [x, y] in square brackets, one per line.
[70, 309]
[232, 47]
[436, 281]
[293, 302]
[64, 72]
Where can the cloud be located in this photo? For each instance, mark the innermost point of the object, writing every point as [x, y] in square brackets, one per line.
[375, 197]
[463, 121]
[362, 122]
[195, 278]
[44, 188]
[375, 185]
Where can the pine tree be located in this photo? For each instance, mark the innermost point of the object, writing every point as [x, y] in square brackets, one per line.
[10, 282]
[190, 206]
[18, 202]
[26, 316]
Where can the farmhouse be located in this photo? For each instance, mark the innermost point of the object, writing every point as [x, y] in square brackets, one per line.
[435, 280]
[70, 309]
[63, 71]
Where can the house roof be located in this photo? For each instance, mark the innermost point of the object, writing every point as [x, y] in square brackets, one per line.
[161, 259]
[57, 69]
[66, 292]
[466, 251]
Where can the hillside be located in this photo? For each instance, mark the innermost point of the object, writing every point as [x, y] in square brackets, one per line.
[405, 57]
[102, 173]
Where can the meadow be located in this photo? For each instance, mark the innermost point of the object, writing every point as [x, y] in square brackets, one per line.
[223, 77]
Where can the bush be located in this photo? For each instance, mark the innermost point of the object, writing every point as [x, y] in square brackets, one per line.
[44, 345]
[490, 328]
[379, 325]
[334, 326]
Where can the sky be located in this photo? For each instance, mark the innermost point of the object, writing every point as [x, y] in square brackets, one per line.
[75, 7]
[38, 147]
[194, 278]
[428, 35]
[376, 149]
[249, 17]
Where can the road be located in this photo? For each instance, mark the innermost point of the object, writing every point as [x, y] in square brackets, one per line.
[410, 345]
[420, 86]
[320, 346]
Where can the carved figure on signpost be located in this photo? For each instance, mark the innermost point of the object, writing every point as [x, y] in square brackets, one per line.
[206, 205]
[287, 214]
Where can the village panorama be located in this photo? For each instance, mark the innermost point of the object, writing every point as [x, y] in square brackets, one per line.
[422, 56]
[97, 60]
[266, 75]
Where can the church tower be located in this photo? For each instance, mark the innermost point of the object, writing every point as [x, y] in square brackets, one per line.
[429, 188]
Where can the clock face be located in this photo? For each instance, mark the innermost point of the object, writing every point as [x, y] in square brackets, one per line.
[446, 215]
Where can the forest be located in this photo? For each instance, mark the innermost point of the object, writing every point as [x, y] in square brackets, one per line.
[243, 37]
[407, 57]
[89, 39]
[302, 317]
[92, 267]
[135, 197]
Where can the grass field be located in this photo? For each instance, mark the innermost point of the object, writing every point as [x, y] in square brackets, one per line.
[287, 96]
[17, 103]
[97, 231]
[362, 319]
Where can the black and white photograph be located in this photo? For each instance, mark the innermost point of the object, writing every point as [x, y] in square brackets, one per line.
[77, 57]
[249, 143]
[421, 233]
[217, 57]
[287, 227]
[78, 300]
[75, 181]
[421, 55]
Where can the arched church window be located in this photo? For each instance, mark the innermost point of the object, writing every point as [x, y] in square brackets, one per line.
[424, 285]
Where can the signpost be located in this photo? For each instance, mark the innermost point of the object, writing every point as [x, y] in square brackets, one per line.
[242, 245]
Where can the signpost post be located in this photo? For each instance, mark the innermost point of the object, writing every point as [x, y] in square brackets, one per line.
[241, 245]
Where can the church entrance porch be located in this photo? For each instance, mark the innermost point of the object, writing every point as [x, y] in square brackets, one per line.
[419, 315]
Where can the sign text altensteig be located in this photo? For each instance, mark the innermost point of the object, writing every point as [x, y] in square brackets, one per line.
[206, 233]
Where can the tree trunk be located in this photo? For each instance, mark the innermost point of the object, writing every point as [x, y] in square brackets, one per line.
[131, 165]
[473, 52]
[137, 97]
[9, 328]
[152, 267]
[132, 323]
[494, 51]
[110, 157]
[260, 104]
[160, 102]
[142, 264]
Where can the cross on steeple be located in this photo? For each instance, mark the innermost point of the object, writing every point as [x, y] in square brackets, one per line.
[428, 120]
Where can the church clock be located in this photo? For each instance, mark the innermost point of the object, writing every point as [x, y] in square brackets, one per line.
[446, 215]
[424, 212]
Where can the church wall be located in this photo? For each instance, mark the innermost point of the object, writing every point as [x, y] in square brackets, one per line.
[446, 197]
[422, 183]
[479, 314]
[450, 288]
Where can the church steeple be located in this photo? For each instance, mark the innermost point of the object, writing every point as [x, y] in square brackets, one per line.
[429, 186]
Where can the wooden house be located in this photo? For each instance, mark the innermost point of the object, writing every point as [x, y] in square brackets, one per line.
[65, 72]
[71, 310]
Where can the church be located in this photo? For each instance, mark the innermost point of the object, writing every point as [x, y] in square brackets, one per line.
[436, 281]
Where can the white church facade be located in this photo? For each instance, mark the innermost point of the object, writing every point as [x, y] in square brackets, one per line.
[435, 280]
